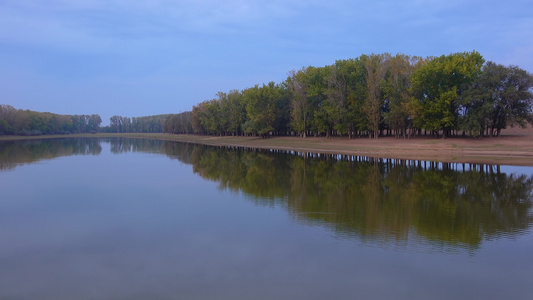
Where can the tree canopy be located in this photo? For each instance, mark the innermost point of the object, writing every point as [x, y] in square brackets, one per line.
[376, 95]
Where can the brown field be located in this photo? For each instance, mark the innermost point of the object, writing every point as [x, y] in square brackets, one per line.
[514, 147]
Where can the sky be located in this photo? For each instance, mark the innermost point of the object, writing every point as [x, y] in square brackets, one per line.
[147, 57]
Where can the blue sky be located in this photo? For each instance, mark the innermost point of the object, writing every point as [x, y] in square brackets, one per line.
[137, 58]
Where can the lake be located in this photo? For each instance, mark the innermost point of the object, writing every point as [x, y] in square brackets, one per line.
[148, 219]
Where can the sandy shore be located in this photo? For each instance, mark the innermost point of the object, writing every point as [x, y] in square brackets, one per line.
[514, 147]
[506, 150]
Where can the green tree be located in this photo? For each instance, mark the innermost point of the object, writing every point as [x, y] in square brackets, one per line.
[198, 112]
[237, 112]
[300, 111]
[223, 117]
[355, 72]
[116, 123]
[336, 104]
[438, 84]
[397, 93]
[376, 68]
[500, 97]
[283, 110]
[317, 95]
[212, 118]
[205, 117]
[307, 92]
[94, 122]
[261, 108]
[179, 123]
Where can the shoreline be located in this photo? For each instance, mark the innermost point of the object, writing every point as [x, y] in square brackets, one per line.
[514, 147]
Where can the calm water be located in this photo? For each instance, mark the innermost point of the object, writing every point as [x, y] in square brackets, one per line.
[144, 219]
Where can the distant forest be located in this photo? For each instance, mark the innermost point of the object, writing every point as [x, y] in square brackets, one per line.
[369, 96]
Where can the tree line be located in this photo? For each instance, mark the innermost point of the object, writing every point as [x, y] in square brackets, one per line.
[148, 124]
[371, 96]
[170, 123]
[26, 122]
[376, 95]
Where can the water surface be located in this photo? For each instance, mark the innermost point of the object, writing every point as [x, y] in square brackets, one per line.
[138, 219]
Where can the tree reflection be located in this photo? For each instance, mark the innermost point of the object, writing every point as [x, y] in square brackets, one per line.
[17, 153]
[378, 199]
[124, 145]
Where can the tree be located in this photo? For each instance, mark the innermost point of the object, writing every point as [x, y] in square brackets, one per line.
[438, 84]
[355, 72]
[212, 117]
[397, 93]
[261, 108]
[317, 94]
[282, 110]
[345, 94]
[337, 96]
[205, 117]
[5, 128]
[299, 104]
[94, 122]
[500, 97]
[307, 89]
[197, 114]
[223, 113]
[237, 112]
[376, 67]
[178, 123]
[116, 123]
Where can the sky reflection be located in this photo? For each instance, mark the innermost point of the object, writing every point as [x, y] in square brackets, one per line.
[141, 225]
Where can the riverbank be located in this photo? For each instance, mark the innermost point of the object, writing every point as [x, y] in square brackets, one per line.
[514, 147]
